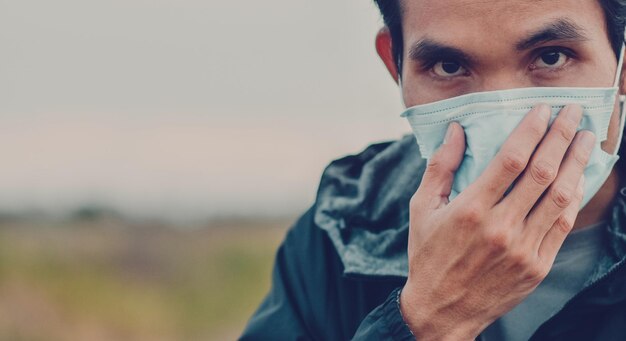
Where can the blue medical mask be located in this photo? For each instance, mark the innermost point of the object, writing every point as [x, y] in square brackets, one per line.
[490, 117]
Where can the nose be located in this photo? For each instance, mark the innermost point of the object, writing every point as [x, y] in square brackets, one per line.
[502, 80]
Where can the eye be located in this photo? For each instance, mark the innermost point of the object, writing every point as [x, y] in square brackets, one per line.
[448, 69]
[551, 60]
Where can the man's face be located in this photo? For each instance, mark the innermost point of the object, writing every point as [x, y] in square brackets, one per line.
[454, 47]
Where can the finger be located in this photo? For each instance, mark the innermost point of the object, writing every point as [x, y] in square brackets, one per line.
[562, 192]
[512, 158]
[555, 236]
[545, 163]
[439, 175]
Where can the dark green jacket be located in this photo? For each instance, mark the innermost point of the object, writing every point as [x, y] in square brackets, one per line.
[339, 269]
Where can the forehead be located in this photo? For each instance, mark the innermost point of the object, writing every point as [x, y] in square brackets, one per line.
[470, 21]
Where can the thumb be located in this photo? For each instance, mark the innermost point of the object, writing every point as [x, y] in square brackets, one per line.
[437, 181]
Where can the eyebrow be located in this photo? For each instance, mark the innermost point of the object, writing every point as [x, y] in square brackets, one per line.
[562, 29]
[426, 50]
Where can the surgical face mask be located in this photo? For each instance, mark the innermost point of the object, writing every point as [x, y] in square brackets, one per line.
[488, 119]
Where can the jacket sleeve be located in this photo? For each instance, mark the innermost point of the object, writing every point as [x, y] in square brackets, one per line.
[385, 322]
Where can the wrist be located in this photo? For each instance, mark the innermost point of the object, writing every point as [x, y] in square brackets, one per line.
[428, 326]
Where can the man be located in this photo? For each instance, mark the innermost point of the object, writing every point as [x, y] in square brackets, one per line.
[391, 251]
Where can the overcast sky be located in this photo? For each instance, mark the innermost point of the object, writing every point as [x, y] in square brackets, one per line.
[186, 108]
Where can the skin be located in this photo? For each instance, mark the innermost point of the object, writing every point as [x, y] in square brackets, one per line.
[475, 258]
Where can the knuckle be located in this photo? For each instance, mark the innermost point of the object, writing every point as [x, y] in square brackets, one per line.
[536, 273]
[563, 224]
[434, 165]
[538, 130]
[415, 203]
[471, 214]
[498, 242]
[561, 197]
[580, 157]
[565, 132]
[520, 261]
[437, 167]
[528, 266]
[542, 173]
[513, 163]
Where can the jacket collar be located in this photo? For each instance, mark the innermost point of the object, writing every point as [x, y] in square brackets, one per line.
[363, 205]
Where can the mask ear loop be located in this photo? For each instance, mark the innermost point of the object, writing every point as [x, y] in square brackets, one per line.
[401, 91]
[620, 63]
[622, 98]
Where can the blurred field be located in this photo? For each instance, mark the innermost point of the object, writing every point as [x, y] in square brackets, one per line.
[108, 280]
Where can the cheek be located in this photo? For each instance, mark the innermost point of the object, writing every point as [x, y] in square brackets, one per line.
[418, 90]
[598, 69]
[601, 75]
[414, 94]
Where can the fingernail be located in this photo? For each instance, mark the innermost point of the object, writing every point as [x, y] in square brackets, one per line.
[544, 111]
[588, 140]
[448, 133]
[573, 112]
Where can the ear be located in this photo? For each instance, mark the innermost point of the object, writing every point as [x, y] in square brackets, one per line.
[385, 51]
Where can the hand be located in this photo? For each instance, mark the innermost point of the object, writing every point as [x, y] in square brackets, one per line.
[475, 258]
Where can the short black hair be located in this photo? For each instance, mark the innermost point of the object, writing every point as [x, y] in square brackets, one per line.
[614, 13]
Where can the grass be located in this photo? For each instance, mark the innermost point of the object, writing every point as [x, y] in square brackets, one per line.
[107, 280]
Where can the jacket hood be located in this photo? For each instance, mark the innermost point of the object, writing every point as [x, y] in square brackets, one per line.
[363, 205]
